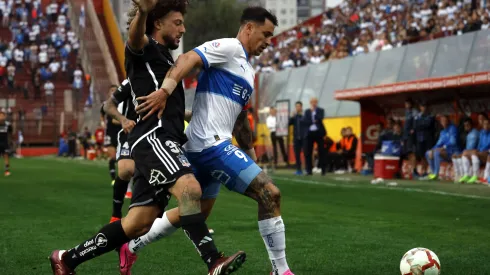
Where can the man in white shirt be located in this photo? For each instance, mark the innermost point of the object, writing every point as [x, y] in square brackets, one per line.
[19, 58]
[49, 92]
[271, 122]
[43, 57]
[54, 66]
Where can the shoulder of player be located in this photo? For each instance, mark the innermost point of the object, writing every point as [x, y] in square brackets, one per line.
[228, 44]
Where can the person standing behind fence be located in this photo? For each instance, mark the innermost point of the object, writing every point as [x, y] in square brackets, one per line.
[271, 122]
[313, 119]
[300, 133]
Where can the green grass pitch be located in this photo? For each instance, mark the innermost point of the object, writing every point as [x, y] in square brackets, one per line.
[334, 224]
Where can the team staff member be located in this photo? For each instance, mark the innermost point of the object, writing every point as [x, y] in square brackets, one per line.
[424, 126]
[271, 122]
[300, 133]
[313, 119]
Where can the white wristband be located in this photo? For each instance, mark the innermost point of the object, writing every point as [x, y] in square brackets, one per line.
[169, 85]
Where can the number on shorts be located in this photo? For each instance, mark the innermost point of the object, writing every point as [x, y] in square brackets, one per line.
[241, 155]
[173, 147]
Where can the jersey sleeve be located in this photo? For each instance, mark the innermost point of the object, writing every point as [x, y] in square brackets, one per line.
[217, 52]
[122, 93]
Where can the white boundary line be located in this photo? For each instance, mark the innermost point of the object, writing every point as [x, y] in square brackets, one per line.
[313, 182]
[418, 190]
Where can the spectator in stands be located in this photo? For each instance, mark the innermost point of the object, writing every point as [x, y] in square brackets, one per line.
[313, 120]
[49, 93]
[300, 133]
[480, 154]
[36, 83]
[10, 75]
[445, 147]
[43, 55]
[78, 82]
[469, 142]
[19, 57]
[424, 125]
[271, 122]
[52, 11]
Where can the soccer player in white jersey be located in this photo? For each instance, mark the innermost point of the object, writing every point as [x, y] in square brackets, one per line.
[224, 89]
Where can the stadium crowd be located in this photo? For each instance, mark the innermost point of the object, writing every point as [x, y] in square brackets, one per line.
[360, 26]
[43, 46]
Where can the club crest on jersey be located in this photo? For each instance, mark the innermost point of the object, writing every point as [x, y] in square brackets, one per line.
[215, 44]
[185, 162]
[157, 177]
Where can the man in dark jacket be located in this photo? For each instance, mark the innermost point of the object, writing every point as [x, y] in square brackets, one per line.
[424, 125]
[300, 133]
[313, 120]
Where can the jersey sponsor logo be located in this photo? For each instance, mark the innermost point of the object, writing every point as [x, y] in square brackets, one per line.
[184, 161]
[157, 177]
[101, 240]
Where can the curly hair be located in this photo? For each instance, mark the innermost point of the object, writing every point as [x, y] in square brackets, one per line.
[162, 8]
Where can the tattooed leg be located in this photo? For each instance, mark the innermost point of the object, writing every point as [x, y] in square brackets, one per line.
[271, 225]
[267, 195]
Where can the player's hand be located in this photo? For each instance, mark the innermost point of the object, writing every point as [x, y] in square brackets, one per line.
[152, 103]
[145, 5]
[128, 125]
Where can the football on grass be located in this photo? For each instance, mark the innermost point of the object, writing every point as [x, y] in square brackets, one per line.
[420, 261]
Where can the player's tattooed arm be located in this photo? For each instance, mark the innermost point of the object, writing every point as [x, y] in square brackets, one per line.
[110, 108]
[244, 135]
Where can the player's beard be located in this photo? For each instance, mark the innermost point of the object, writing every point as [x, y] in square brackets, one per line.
[170, 42]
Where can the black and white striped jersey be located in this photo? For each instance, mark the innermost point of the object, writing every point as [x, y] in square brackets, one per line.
[5, 132]
[146, 70]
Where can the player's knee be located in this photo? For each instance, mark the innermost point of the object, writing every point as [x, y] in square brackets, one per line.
[269, 193]
[187, 189]
[124, 173]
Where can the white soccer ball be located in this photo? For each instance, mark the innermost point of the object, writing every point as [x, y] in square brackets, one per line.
[420, 261]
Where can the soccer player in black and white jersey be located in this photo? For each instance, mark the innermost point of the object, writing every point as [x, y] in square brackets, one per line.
[112, 128]
[119, 106]
[5, 136]
[161, 169]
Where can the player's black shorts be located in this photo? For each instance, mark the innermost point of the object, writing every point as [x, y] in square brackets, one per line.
[159, 163]
[123, 150]
[110, 139]
[4, 149]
